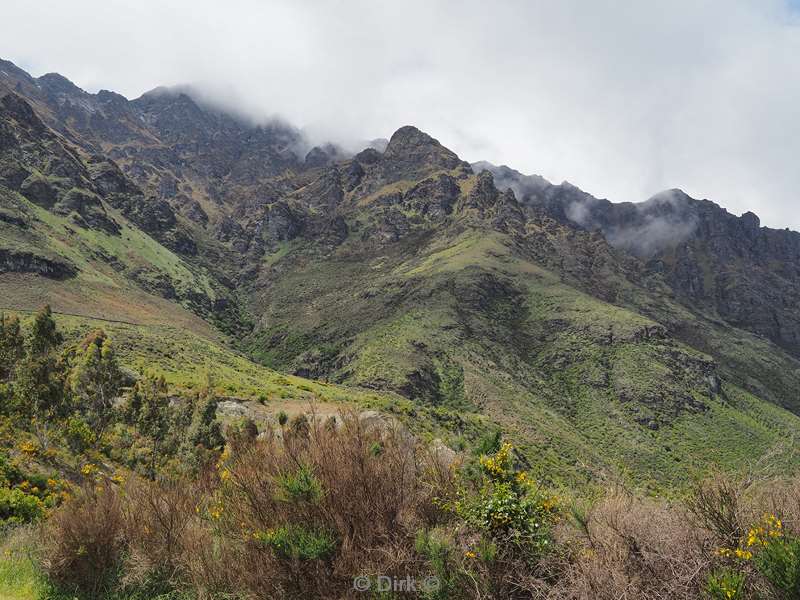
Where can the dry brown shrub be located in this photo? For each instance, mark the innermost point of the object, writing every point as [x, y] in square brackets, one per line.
[83, 543]
[375, 493]
[718, 504]
[157, 516]
[632, 548]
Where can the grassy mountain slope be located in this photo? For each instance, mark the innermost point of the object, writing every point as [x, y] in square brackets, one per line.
[470, 322]
[403, 271]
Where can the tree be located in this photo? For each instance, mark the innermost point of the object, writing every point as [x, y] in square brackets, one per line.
[45, 337]
[205, 430]
[12, 346]
[96, 379]
[39, 381]
[154, 415]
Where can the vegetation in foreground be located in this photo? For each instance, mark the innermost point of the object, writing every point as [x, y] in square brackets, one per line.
[304, 512]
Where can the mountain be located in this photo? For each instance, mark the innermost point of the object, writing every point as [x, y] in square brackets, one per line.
[728, 266]
[650, 340]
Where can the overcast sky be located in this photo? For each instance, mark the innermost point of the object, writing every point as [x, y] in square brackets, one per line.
[623, 99]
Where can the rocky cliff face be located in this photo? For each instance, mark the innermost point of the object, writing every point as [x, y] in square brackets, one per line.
[714, 261]
[35, 163]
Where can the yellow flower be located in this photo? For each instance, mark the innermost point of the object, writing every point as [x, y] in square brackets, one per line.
[28, 447]
[470, 554]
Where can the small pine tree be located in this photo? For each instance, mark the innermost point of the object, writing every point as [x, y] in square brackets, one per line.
[45, 336]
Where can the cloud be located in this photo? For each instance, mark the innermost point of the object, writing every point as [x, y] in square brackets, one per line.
[623, 99]
[661, 222]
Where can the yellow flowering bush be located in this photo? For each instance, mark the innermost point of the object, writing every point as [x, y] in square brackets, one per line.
[771, 527]
[776, 556]
[89, 470]
[773, 552]
[29, 448]
[508, 505]
[725, 584]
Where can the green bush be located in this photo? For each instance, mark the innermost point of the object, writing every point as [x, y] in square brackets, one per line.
[79, 435]
[9, 473]
[17, 507]
[489, 443]
[507, 506]
[298, 543]
[778, 558]
[301, 486]
[725, 584]
[439, 554]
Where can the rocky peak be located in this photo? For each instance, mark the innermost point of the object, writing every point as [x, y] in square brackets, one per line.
[412, 153]
[505, 178]
[15, 79]
[58, 84]
[111, 98]
[750, 222]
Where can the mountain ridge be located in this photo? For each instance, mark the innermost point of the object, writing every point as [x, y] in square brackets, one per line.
[410, 271]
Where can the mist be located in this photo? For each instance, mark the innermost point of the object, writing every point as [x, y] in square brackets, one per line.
[661, 222]
[624, 99]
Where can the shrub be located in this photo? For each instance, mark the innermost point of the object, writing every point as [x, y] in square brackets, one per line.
[508, 505]
[777, 556]
[295, 496]
[298, 543]
[725, 584]
[9, 472]
[83, 543]
[716, 506]
[283, 418]
[439, 553]
[79, 436]
[300, 486]
[157, 518]
[17, 507]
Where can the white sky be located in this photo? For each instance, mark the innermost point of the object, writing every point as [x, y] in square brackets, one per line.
[622, 98]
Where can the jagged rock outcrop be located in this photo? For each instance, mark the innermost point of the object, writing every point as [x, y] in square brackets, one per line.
[28, 262]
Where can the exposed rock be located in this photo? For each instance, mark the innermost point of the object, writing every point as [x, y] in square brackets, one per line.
[282, 224]
[26, 262]
[317, 157]
[40, 191]
[411, 154]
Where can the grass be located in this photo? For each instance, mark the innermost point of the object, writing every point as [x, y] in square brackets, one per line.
[132, 248]
[19, 577]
